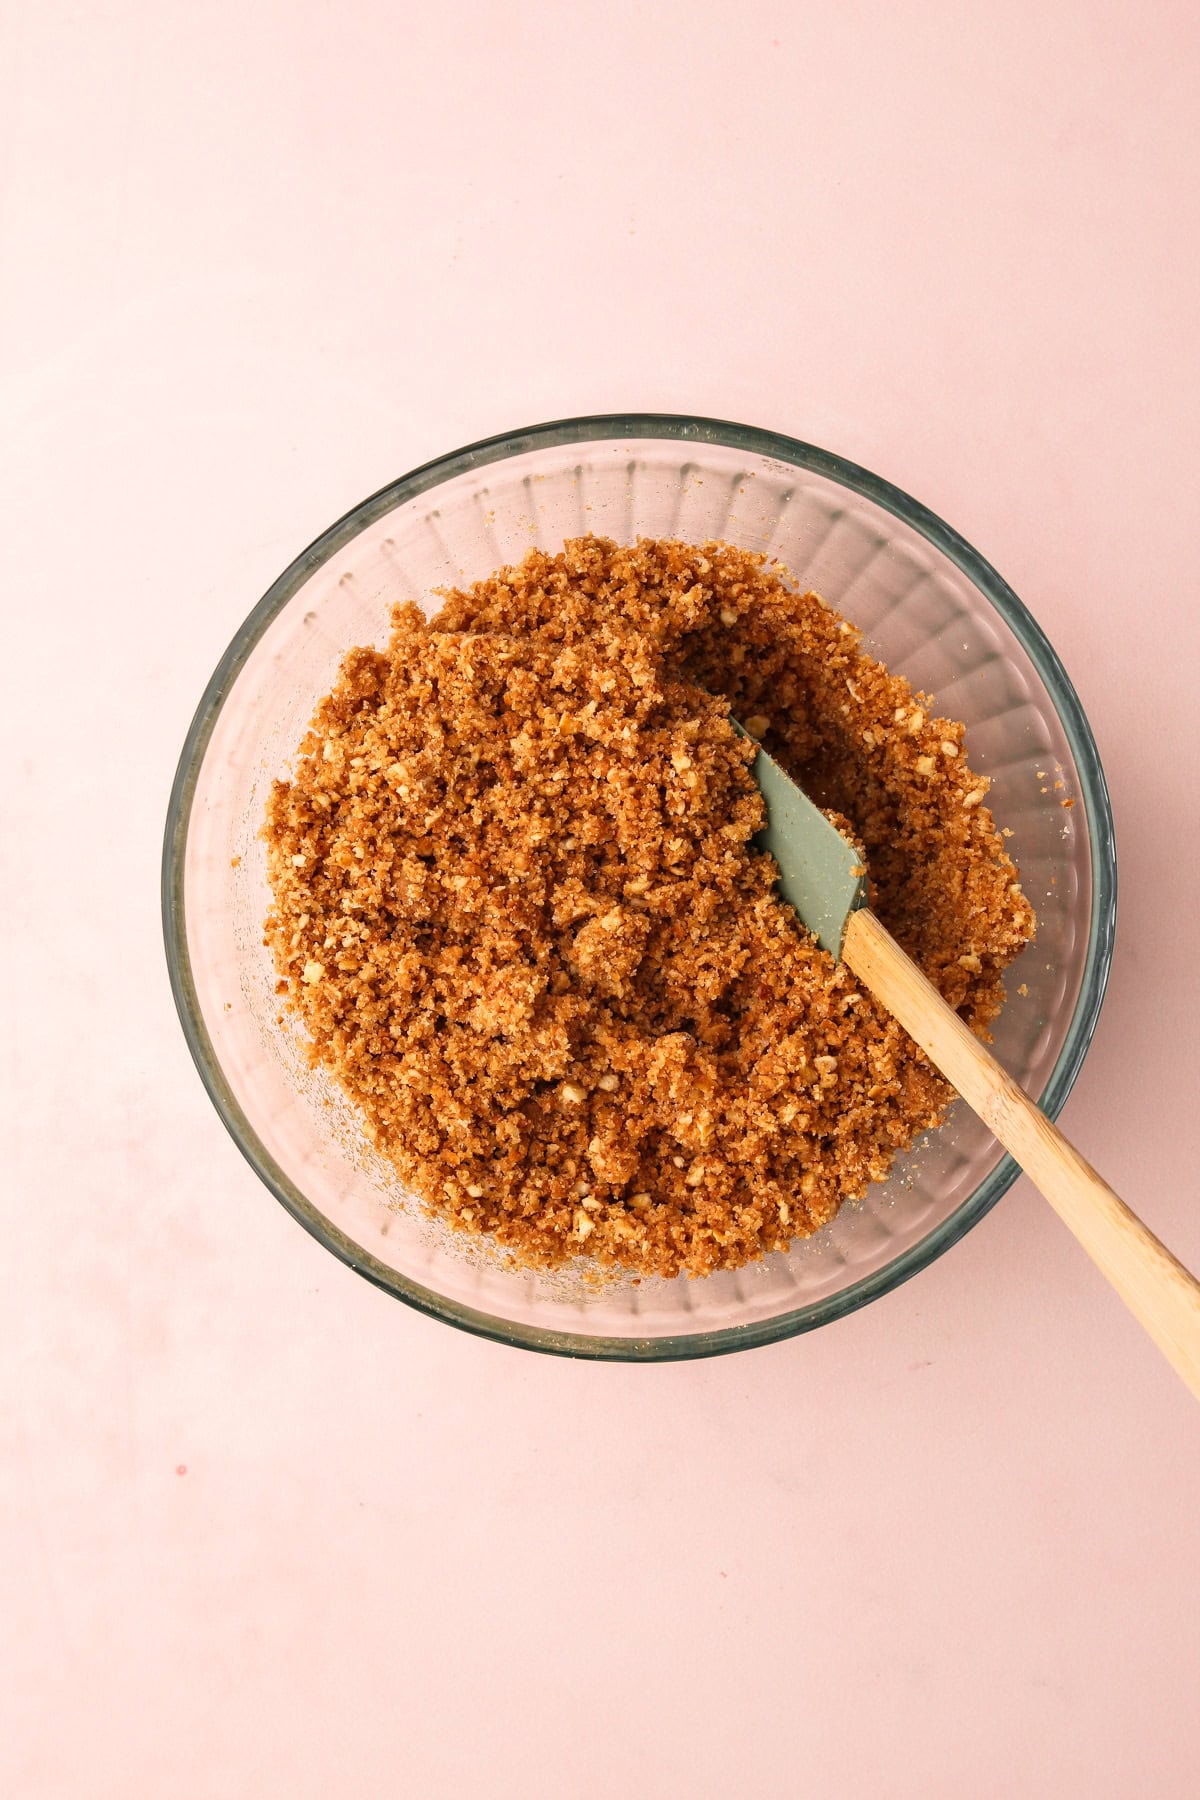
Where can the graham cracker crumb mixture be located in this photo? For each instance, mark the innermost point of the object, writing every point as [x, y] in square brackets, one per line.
[519, 913]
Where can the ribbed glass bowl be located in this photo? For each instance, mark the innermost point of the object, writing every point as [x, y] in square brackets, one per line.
[929, 606]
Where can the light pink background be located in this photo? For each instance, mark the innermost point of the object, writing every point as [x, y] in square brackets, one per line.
[265, 1532]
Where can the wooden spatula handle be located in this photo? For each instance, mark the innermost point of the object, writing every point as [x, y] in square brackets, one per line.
[1156, 1288]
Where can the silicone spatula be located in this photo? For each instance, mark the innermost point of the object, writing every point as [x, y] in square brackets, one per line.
[821, 876]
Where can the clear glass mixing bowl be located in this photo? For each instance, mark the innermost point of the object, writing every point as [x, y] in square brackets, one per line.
[929, 605]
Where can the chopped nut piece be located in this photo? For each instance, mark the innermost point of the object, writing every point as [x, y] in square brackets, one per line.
[313, 972]
[757, 725]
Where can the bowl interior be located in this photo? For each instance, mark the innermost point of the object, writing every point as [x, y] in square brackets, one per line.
[927, 606]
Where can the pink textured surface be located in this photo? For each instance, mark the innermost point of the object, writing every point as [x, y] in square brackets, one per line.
[262, 1530]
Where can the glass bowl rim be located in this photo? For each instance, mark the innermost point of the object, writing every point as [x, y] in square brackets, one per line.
[679, 428]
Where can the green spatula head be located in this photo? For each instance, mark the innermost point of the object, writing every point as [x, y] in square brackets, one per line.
[820, 873]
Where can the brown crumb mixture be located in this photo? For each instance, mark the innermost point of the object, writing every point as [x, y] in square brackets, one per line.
[518, 909]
